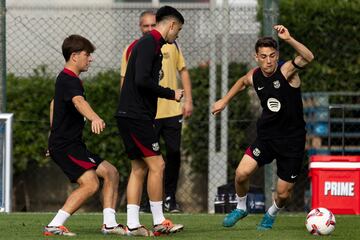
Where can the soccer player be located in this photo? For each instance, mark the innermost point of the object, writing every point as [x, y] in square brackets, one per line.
[135, 117]
[168, 120]
[68, 111]
[281, 127]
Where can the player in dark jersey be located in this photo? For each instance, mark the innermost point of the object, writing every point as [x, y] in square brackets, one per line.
[135, 117]
[281, 127]
[68, 112]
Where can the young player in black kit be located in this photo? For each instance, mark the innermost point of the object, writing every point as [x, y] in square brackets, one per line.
[66, 147]
[281, 127]
[135, 117]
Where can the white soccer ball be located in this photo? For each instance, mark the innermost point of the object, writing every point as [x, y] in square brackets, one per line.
[320, 221]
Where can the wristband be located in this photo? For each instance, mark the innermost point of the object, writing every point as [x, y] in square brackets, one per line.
[296, 66]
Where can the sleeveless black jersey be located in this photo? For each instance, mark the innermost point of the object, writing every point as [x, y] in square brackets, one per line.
[282, 115]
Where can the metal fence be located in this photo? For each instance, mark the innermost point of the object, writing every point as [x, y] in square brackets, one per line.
[214, 35]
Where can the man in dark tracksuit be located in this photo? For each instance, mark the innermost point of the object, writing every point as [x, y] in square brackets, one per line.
[135, 117]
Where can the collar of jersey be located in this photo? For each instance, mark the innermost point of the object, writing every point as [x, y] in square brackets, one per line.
[70, 73]
[157, 35]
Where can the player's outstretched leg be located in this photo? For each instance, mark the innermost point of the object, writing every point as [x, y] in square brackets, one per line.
[234, 216]
[267, 222]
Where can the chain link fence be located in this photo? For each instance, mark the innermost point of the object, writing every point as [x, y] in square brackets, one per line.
[216, 41]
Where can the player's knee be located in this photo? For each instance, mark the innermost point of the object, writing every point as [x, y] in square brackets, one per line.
[283, 196]
[240, 176]
[140, 172]
[112, 173]
[157, 169]
[92, 185]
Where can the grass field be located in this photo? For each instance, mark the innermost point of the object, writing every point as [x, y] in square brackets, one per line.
[197, 226]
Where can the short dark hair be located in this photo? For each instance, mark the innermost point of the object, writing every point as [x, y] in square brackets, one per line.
[76, 43]
[167, 12]
[266, 42]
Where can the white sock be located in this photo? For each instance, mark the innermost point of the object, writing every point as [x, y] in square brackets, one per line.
[241, 202]
[109, 217]
[273, 210]
[157, 212]
[59, 219]
[133, 216]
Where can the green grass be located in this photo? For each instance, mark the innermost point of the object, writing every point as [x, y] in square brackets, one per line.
[197, 226]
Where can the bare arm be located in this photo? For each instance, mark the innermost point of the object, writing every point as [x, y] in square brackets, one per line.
[51, 112]
[235, 89]
[186, 83]
[84, 108]
[305, 55]
[121, 82]
[123, 67]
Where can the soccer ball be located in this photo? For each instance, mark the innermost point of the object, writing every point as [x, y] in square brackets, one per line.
[320, 221]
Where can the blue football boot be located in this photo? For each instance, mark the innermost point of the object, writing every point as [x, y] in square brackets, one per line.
[267, 222]
[233, 217]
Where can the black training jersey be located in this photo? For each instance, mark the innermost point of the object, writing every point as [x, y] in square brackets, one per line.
[68, 123]
[282, 115]
[141, 89]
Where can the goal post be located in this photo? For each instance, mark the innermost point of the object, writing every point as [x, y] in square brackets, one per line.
[6, 161]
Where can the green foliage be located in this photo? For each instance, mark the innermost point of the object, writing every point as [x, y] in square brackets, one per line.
[330, 28]
[195, 138]
[29, 98]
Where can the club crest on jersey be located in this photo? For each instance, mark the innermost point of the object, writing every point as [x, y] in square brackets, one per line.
[161, 75]
[256, 152]
[276, 84]
[166, 55]
[273, 104]
[155, 146]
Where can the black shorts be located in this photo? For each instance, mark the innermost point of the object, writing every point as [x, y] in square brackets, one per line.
[139, 137]
[74, 160]
[289, 155]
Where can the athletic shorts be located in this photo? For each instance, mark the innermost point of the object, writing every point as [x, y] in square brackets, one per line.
[74, 160]
[139, 137]
[289, 155]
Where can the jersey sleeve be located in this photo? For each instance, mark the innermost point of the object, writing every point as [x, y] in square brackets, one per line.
[123, 63]
[143, 65]
[72, 89]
